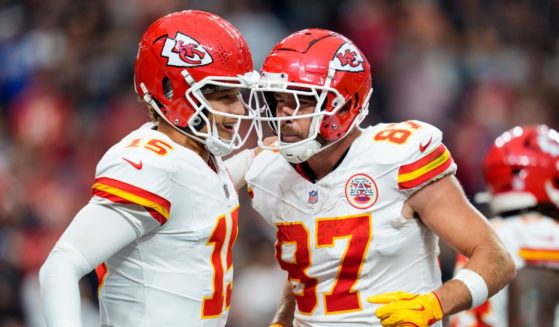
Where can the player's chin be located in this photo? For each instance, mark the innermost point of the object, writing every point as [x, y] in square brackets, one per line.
[290, 138]
[226, 132]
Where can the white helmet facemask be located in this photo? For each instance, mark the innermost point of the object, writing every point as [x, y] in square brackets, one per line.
[215, 144]
[299, 151]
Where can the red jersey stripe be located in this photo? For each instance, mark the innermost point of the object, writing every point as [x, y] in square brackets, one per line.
[427, 176]
[117, 199]
[101, 271]
[422, 161]
[135, 190]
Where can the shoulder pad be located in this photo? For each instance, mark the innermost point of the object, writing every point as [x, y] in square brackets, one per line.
[137, 172]
[404, 141]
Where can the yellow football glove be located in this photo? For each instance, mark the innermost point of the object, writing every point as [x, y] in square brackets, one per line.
[406, 309]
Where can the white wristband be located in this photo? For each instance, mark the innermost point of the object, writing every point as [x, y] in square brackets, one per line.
[475, 284]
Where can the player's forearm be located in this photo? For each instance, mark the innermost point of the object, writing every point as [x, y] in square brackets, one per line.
[238, 166]
[60, 294]
[492, 263]
[79, 250]
[286, 309]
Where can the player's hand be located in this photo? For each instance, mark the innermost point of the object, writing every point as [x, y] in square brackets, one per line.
[406, 309]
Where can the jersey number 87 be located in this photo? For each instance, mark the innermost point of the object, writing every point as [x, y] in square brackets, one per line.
[341, 298]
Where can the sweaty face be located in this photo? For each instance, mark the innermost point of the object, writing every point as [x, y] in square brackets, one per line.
[296, 129]
[226, 101]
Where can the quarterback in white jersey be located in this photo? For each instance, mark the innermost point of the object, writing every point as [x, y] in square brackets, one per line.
[358, 212]
[186, 231]
[522, 170]
[162, 222]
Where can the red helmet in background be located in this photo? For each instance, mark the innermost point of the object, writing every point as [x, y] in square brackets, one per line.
[522, 168]
[327, 66]
[183, 55]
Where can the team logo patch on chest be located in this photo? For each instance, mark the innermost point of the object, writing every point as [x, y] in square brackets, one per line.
[361, 191]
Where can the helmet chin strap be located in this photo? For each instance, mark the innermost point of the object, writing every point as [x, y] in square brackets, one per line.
[301, 152]
[215, 144]
[217, 147]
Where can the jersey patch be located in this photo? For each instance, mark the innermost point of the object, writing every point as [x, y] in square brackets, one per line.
[120, 192]
[361, 191]
[424, 169]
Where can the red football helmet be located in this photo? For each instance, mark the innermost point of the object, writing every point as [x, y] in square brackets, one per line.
[324, 65]
[181, 57]
[522, 168]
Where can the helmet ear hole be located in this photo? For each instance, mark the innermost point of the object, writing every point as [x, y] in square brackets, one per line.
[167, 88]
[346, 108]
[196, 121]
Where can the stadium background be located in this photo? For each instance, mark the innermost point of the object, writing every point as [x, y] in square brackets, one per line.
[474, 68]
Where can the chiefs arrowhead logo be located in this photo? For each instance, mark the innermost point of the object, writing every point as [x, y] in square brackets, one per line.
[347, 58]
[184, 51]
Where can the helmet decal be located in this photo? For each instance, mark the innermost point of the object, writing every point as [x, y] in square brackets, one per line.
[347, 58]
[184, 51]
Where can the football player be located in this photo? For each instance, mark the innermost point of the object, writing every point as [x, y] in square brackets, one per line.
[522, 173]
[358, 212]
[162, 221]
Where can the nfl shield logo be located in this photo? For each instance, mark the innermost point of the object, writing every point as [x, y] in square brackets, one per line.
[313, 197]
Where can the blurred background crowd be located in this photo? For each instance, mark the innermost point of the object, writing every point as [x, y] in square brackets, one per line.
[474, 68]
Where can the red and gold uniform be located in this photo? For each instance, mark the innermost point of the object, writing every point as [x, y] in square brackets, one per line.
[179, 269]
[343, 238]
[531, 239]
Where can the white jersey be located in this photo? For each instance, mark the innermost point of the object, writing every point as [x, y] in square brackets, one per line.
[531, 239]
[178, 272]
[343, 238]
